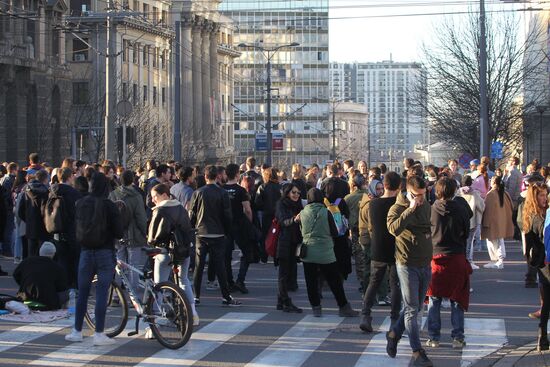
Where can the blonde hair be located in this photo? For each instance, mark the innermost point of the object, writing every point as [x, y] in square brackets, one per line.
[531, 207]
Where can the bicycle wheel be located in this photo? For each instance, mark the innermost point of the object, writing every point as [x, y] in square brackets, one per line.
[172, 321]
[116, 316]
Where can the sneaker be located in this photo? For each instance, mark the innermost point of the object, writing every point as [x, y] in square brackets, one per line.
[391, 346]
[534, 315]
[102, 339]
[212, 286]
[499, 264]
[231, 302]
[474, 266]
[148, 333]
[74, 336]
[197, 301]
[317, 311]
[384, 302]
[366, 324]
[347, 311]
[490, 265]
[241, 287]
[459, 343]
[291, 308]
[196, 320]
[422, 360]
[17, 260]
[432, 343]
[446, 303]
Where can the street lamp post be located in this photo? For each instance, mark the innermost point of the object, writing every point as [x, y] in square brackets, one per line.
[540, 110]
[268, 53]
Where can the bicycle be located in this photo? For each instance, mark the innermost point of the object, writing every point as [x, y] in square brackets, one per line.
[163, 306]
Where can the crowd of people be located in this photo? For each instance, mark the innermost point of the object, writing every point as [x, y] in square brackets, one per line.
[411, 235]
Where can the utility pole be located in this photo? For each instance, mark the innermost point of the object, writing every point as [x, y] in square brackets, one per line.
[268, 122]
[484, 114]
[177, 98]
[110, 93]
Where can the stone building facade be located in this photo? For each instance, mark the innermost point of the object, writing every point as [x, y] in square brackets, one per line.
[33, 81]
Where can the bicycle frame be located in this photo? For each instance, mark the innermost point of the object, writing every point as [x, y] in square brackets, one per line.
[148, 285]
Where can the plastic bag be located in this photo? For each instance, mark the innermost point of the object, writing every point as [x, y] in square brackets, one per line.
[17, 307]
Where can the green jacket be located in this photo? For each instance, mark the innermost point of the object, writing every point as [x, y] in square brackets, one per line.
[353, 200]
[137, 230]
[412, 231]
[316, 234]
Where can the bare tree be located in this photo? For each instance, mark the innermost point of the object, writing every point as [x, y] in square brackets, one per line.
[452, 61]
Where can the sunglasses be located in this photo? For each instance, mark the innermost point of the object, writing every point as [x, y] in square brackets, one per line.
[295, 192]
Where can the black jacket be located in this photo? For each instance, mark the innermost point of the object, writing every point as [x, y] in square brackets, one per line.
[290, 235]
[166, 216]
[210, 211]
[266, 198]
[334, 188]
[30, 210]
[450, 226]
[40, 279]
[70, 196]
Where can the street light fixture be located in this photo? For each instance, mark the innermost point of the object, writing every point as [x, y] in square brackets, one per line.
[268, 52]
[540, 110]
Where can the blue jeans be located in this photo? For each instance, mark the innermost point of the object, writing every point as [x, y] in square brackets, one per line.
[434, 319]
[163, 268]
[102, 263]
[414, 283]
[135, 257]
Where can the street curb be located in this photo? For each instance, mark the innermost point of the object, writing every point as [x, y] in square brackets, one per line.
[512, 357]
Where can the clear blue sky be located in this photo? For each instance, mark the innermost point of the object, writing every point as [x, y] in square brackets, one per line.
[374, 35]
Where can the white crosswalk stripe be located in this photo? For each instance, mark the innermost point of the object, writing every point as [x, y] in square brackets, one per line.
[24, 334]
[298, 343]
[204, 341]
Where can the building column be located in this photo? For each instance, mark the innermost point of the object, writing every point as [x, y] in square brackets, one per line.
[206, 92]
[215, 82]
[187, 79]
[197, 79]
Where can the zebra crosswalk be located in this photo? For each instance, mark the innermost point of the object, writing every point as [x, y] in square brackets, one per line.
[301, 340]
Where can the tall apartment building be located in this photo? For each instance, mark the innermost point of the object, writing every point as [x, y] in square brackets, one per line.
[388, 88]
[33, 80]
[299, 76]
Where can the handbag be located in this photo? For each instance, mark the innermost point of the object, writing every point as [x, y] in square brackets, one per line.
[272, 238]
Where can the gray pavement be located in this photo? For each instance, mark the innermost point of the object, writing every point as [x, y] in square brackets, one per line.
[497, 329]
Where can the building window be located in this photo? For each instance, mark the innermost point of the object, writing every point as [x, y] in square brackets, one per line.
[80, 49]
[125, 50]
[154, 96]
[146, 11]
[80, 93]
[145, 55]
[135, 6]
[163, 59]
[155, 56]
[124, 91]
[164, 19]
[163, 91]
[135, 94]
[135, 58]
[155, 15]
[144, 94]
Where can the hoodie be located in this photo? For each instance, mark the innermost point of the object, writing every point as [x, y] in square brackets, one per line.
[450, 226]
[412, 231]
[30, 210]
[165, 217]
[137, 230]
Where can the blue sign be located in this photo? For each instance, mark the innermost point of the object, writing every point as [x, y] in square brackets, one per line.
[465, 160]
[261, 142]
[496, 150]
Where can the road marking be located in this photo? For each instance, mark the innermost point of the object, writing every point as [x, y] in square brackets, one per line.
[79, 354]
[375, 352]
[483, 337]
[24, 334]
[298, 343]
[204, 341]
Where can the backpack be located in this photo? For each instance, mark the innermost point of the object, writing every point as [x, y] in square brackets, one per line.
[125, 215]
[180, 244]
[340, 221]
[54, 213]
[272, 238]
[91, 226]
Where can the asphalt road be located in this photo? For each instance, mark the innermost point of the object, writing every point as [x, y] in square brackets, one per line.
[256, 334]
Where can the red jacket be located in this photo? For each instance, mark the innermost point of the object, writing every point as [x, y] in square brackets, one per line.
[451, 279]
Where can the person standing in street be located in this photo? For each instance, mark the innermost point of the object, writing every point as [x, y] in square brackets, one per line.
[382, 251]
[497, 223]
[451, 271]
[183, 190]
[242, 217]
[409, 221]
[210, 214]
[512, 183]
[477, 205]
[98, 226]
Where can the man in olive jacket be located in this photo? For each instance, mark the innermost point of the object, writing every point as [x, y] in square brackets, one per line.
[129, 248]
[409, 221]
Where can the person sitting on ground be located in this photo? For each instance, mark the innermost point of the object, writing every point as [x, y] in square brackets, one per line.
[42, 280]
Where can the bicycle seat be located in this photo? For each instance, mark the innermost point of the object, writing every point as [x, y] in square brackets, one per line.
[151, 251]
